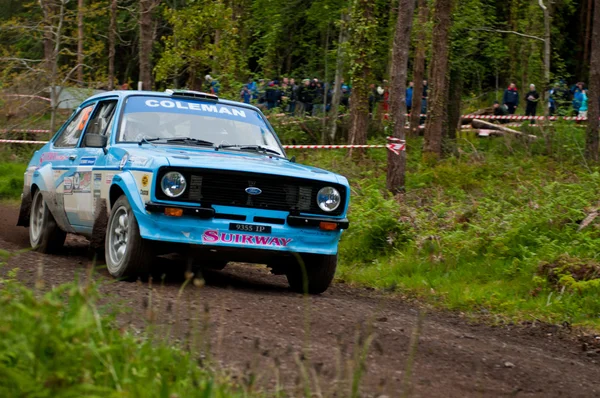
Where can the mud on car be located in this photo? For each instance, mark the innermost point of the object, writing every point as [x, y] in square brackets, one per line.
[141, 174]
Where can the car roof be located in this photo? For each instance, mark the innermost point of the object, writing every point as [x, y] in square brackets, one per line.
[124, 94]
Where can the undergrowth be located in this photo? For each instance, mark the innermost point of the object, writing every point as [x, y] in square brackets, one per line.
[61, 343]
[473, 232]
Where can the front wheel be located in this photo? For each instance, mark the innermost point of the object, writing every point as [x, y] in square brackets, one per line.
[127, 254]
[313, 274]
[44, 234]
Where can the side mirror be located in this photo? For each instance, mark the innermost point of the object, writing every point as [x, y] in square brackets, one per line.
[293, 159]
[95, 141]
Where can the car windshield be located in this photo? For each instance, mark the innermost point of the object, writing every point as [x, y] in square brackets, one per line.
[194, 122]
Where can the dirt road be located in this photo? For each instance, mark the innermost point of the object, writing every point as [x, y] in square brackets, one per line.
[250, 323]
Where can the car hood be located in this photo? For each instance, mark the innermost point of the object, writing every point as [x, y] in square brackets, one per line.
[228, 160]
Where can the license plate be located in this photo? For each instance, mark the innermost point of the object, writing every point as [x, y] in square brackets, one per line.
[261, 229]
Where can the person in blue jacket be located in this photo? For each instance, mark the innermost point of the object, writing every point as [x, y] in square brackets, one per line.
[409, 96]
[511, 98]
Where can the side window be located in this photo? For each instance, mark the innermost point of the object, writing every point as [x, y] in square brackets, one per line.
[71, 133]
[102, 119]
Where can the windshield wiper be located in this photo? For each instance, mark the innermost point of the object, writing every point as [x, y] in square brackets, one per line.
[145, 140]
[187, 140]
[257, 148]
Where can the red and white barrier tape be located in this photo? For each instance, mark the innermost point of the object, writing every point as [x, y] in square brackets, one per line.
[395, 146]
[24, 131]
[22, 142]
[27, 96]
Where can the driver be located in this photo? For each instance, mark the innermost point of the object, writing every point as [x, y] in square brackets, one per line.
[143, 125]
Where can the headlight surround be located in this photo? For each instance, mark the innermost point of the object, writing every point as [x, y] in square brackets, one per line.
[328, 199]
[173, 184]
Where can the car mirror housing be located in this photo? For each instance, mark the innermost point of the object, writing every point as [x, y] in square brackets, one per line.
[95, 141]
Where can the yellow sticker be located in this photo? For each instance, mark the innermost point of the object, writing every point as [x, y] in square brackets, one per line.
[144, 180]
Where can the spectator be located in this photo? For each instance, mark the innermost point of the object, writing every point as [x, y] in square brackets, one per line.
[552, 104]
[305, 96]
[214, 86]
[577, 97]
[409, 94]
[318, 105]
[273, 95]
[500, 110]
[532, 98]
[246, 94]
[253, 88]
[292, 94]
[511, 98]
[345, 94]
[583, 109]
[261, 91]
[424, 98]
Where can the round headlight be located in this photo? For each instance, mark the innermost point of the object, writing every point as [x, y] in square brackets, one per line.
[328, 199]
[173, 184]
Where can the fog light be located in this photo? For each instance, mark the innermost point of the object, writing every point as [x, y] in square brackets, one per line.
[328, 226]
[173, 212]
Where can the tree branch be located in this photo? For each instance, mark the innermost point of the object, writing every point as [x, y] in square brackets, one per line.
[509, 31]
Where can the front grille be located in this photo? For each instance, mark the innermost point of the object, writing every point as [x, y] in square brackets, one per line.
[228, 188]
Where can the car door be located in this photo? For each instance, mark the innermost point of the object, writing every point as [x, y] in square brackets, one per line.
[63, 155]
[87, 170]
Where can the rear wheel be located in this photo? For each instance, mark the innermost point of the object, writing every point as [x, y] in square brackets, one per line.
[44, 234]
[313, 274]
[127, 254]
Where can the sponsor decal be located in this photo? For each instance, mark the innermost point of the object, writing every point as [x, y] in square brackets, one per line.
[52, 156]
[109, 178]
[56, 174]
[97, 180]
[152, 103]
[89, 161]
[82, 182]
[145, 180]
[214, 236]
[138, 160]
[68, 185]
[123, 161]
[144, 192]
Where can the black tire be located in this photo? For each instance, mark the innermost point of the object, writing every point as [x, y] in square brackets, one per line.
[137, 254]
[44, 234]
[320, 270]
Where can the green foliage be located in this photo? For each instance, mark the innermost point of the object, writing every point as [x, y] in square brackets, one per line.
[11, 180]
[193, 49]
[59, 343]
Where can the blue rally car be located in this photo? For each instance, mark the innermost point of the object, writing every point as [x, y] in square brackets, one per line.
[142, 174]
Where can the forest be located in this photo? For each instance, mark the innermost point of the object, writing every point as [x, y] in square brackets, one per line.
[481, 228]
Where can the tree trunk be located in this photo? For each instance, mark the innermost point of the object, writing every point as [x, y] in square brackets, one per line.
[48, 10]
[325, 81]
[547, 52]
[54, 90]
[419, 69]
[337, 85]
[586, 38]
[80, 5]
[146, 42]
[454, 105]
[215, 66]
[363, 39]
[112, 35]
[397, 163]
[591, 139]
[436, 117]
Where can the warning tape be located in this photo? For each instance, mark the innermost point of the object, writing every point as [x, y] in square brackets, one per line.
[24, 131]
[395, 146]
[27, 96]
[22, 142]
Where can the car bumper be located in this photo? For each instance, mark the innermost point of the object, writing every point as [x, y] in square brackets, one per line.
[210, 227]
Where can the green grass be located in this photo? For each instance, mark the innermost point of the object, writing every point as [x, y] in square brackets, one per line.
[11, 180]
[473, 231]
[61, 343]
